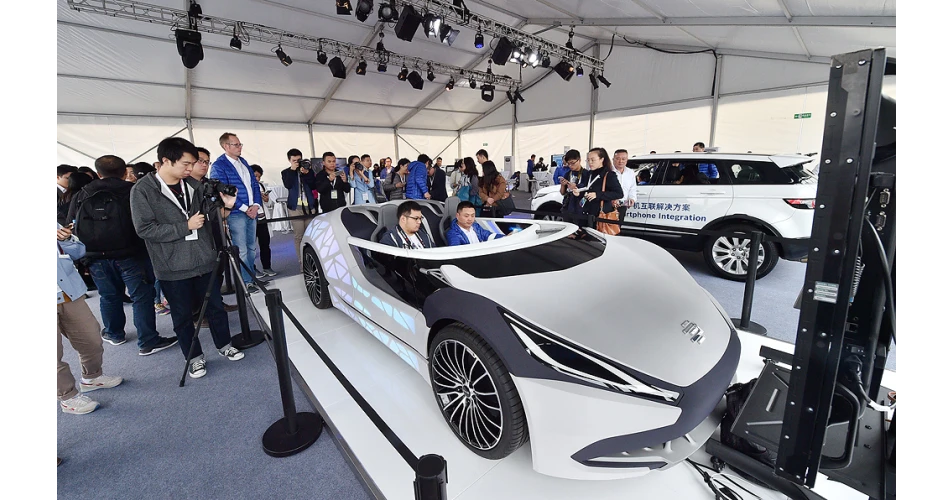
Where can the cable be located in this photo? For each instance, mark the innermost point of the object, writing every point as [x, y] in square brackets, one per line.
[723, 492]
[675, 52]
[726, 476]
[887, 280]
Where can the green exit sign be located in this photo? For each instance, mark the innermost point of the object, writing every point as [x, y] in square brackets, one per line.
[798, 116]
[485, 144]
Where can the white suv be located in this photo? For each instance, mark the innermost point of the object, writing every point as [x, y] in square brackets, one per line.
[771, 193]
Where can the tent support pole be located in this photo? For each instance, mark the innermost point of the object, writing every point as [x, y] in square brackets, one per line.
[459, 144]
[718, 67]
[75, 150]
[310, 136]
[396, 145]
[513, 153]
[188, 125]
[591, 117]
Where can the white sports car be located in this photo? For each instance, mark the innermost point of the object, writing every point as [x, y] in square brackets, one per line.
[625, 375]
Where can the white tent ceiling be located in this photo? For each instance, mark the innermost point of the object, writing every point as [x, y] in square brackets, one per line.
[118, 67]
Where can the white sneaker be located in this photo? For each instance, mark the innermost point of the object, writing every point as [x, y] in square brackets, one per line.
[196, 369]
[100, 382]
[231, 353]
[78, 405]
[269, 272]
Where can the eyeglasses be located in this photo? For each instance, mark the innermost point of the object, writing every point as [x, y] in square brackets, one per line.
[418, 218]
[572, 163]
[204, 162]
[235, 144]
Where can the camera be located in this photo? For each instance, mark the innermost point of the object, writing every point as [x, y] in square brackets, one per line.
[304, 163]
[211, 190]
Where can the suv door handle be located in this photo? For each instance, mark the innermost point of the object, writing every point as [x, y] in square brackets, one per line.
[713, 192]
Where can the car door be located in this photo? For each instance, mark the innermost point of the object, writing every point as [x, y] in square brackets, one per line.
[638, 212]
[679, 202]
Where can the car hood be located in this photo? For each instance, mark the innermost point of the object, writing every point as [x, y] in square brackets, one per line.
[635, 305]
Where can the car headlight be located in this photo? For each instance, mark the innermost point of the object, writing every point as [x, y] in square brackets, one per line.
[572, 360]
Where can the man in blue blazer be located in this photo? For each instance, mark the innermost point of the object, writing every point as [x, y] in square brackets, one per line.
[463, 230]
[231, 168]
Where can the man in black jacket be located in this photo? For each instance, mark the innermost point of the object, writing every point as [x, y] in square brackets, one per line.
[117, 256]
[332, 185]
[436, 183]
[299, 180]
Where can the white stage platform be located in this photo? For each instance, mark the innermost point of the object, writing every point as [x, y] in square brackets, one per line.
[404, 400]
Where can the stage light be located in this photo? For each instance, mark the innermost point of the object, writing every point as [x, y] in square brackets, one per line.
[488, 92]
[451, 84]
[448, 35]
[565, 70]
[337, 68]
[382, 67]
[285, 60]
[571, 34]
[512, 100]
[502, 52]
[546, 62]
[361, 67]
[432, 25]
[533, 57]
[579, 71]
[189, 44]
[472, 83]
[602, 79]
[235, 41]
[416, 81]
[591, 78]
[518, 95]
[429, 74]
[408, 23]
[403, 74]
[343, 7]
[516, 55]
[387, 12]
[364, 8]
[479, 39]
[321, 56]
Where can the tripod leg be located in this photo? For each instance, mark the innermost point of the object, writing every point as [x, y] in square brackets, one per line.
[201, 316]
[248, 338]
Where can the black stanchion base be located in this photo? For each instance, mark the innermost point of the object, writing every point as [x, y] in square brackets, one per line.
[242, 342]
[278, 443]
[752, 327]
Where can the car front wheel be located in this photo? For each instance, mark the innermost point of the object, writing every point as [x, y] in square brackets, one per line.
[727, 256]
[475, 393]
[549, 207]
[314, 280]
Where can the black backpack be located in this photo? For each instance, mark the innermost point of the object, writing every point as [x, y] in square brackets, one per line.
[104, 225]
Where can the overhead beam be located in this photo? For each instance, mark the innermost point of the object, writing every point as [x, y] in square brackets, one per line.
[350, 67]
[803, 21]
[76, 150]
[777, 56]
[796, 30]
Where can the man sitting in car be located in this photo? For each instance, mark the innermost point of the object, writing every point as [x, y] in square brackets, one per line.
[463, 230]
[410, 232]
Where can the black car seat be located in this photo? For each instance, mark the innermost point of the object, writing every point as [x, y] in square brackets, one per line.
[449, 214]
[386, 220]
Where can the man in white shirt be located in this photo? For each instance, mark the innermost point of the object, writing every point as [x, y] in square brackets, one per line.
[628, 180]
[232, 169]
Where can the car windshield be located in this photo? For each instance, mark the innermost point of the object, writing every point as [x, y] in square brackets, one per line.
[799, 174]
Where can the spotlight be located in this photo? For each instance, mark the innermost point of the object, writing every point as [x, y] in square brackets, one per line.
[432, 25]
[451, 84]
[416, 81]
[403, 74]
[516, 55]
[343, 7]
[488, 92]
[472, 83]
[364, 7]
[565, 70]
[408, 23]
[512, 100]
[546, 62]
[321, 56]
[593, 79]
[189, 44]
[518, 95]
[387, 12]
[337, 68]
[448, 35]
[579, 71]
[285, 60]
[382, 67]
[361, 67]
[602, 79]
[533, 57]
[429, 74]
[235, 41]
[502, 52]
[479, 39]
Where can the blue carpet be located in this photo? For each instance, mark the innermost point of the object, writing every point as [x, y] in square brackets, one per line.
[153, 439]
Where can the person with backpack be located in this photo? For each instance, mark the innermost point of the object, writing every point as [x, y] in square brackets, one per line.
[117, 256]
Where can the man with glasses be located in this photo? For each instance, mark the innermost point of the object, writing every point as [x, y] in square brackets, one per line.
[300, 182]
[571, 206]
[410, 232]
[232, 169]
[628, 180]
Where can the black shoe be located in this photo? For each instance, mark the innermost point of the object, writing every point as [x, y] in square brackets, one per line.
[126, 299]
[253, 288]
[162, 344]
[231, 308]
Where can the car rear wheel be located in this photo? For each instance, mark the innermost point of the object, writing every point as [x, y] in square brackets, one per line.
[549, 207]
[727, 256]
[314, 281]
[475, 393]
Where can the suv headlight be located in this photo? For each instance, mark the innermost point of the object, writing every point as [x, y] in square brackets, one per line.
[572, 360]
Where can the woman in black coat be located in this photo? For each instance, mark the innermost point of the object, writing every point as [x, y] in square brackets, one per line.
[596, 198]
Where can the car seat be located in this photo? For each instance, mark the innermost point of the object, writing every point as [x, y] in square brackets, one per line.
[386, 220]
[449, 214]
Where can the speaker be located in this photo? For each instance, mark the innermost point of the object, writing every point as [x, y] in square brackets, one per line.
[337, 68]
[408, 23]
[502, 52]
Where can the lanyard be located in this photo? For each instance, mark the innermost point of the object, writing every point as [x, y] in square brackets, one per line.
[407, 243]
[170, 195]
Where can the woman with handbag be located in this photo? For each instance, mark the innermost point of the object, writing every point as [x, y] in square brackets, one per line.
[395, 187]
[600, 189]
[493, 191]
[469, 184]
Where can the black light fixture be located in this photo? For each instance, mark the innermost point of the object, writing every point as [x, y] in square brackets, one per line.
[408, 23]
[416, 81]
[361, 67]
[518, 95]
[593, 79]
[337, 68]
[546, 62]
[512, 99]
[602, 79]
[502, 52]
[565, 70]
[285, 60]
[488, 92]
[448, 34]
[533, 57]
[235, 41]
[387, 11]
[189, 44]
[321, 56]
[429, 74]
[451, 84]
[472, 82]
[432, 24]
[381, 67]
[364, 8]
[402, 75]
[343, 7]
[479, 39]
[382, 56]
[516, 56]
[579, 71]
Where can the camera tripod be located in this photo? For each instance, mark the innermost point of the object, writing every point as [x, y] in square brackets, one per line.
[229, 257]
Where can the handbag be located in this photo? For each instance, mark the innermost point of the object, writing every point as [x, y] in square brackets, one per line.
[607, 227]
[505, 206]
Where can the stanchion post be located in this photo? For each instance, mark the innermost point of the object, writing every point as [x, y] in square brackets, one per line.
[296, 430]
[753, 253]
[248, 338]
[430, 482]
[229, 287]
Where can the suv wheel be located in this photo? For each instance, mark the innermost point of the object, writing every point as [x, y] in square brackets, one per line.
[549, 207]
[727, 255]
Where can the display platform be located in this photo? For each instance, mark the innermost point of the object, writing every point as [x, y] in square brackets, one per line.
[404, 400]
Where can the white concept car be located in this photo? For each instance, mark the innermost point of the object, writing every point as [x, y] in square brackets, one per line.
[624, 375]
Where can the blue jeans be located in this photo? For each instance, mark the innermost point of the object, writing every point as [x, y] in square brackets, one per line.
[182, 294]
[242, 230]
[112, 276]
[158, 293]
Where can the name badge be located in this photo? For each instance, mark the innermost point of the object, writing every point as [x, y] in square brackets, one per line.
[192, 236]
[334, 195]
